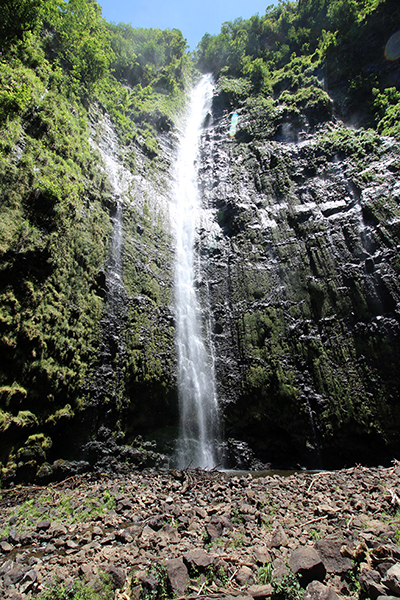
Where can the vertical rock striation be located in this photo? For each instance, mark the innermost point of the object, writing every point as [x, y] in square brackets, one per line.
[299, 252]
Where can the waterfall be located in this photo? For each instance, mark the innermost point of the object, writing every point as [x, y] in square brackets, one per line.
[108, 378]
[199, 417]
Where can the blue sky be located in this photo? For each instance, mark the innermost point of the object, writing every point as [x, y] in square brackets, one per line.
[193, 17]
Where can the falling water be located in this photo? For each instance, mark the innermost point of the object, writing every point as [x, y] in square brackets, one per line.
[108, 380]
[199, 419]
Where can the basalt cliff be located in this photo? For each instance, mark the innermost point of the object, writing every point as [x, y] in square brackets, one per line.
[297, 247]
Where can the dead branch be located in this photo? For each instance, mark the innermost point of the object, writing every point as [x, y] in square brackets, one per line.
[315, 520]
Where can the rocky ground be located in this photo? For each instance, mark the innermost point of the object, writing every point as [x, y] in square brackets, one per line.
[197, 534]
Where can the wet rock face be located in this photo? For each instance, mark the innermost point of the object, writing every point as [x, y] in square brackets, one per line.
[130, 389]
[299, 267]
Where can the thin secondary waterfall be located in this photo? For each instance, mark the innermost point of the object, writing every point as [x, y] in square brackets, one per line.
[199, 418]
[108, 379]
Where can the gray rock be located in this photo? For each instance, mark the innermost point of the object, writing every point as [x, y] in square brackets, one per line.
[318, 591]
[124, 536]
[329, 551]
[278, 538]
[97, 530]
[261, 554]
[198, 558]
[6, 566]
[384, 567]
[117, 576]
[280, 569]
[148, 535]
[370, 582]
[28, 581]
[27, 537]
[395, 550]
[123, 505]
[149, 583]
[244, 576]
[5, 547]
[108, 539]
[213, 531]
[15, 574]
[307, 563]
[392, 579]
[261, 591]
[13, 537]
[178, 575]
[14, 595]
[58, 530]
[43, 525]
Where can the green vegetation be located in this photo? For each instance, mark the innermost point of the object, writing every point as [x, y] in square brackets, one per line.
[100, 589]
[287, 587]
[162, 592]
[61, 65]
[17, 18]
[60, 507]
[53, 241]
[265, 574]
[297, 51]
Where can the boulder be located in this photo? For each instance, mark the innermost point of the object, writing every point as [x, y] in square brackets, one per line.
[334, 562]
[392, 579]
[278, 538]
[198, 558]
[28, 581]
[43, 525]
[14, 537]
[15, 575]
[58, 530]
[5, 547]
[261, 554]
[123, 504]
[261, 591]
[178, 576]
[318, 591]
[280, 569]
[244, 576]
[307, 563]
[148, 535]
[117, 576]
[370, 582]
[213, 531]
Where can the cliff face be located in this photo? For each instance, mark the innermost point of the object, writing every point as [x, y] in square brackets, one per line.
[298, 272]
[133, 378]
[86, 326]
[299, 248]
[87, 339]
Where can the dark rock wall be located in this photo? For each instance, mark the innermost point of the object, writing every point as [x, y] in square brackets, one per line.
[299, 252]
[131, 388]
[298, 276]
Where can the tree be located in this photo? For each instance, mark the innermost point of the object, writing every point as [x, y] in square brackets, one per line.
[83, 37]
[16, 18]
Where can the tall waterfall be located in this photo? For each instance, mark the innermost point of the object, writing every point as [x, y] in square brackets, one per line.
[199, 418]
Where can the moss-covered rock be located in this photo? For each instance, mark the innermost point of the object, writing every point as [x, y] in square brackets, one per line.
[307, 299]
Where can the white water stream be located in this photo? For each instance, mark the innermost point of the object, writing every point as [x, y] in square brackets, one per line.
[199, 418]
